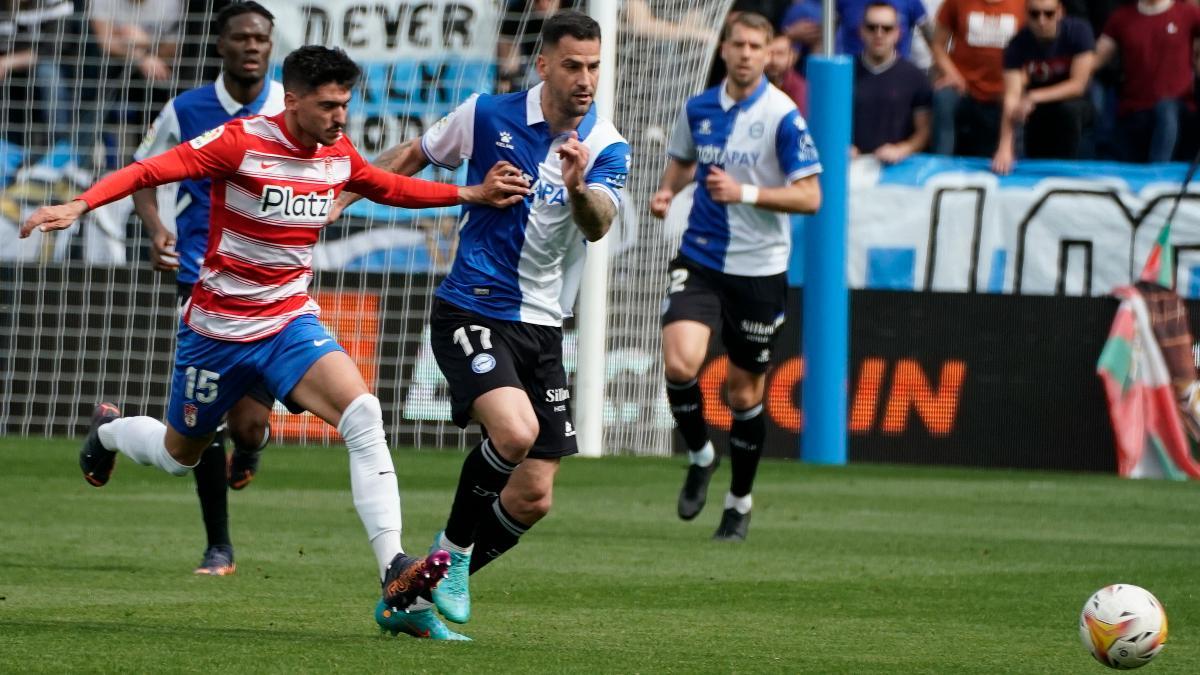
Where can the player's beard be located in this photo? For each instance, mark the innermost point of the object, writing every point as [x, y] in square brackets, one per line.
[570, 108]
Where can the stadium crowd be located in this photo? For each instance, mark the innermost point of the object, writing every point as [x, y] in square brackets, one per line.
[1002, 79]
[1005, 79]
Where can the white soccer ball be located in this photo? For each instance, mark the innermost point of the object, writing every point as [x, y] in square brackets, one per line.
[1123, 626]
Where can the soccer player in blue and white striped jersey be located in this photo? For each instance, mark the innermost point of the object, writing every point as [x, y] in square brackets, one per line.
[749, 152]
[496, 323]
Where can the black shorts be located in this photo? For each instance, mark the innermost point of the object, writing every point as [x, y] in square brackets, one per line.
[747, 311]
[478, 354]
[258, 391]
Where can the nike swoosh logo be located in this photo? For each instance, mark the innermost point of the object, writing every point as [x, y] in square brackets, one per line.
[384, 473]
[318, 343]
[269, 165]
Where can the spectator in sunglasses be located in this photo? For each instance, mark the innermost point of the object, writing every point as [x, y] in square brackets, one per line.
[1047, 67]
[892, 97]
[910, 15]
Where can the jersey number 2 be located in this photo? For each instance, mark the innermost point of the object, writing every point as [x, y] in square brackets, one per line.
[678, 280]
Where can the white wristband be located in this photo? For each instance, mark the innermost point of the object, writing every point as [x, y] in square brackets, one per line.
[750, 194]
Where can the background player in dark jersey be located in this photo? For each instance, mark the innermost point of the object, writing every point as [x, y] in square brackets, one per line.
[243, 31]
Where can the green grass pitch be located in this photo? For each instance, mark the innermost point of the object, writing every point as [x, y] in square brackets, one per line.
[847, 570]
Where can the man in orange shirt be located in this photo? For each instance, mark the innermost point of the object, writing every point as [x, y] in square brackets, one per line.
[968, 51]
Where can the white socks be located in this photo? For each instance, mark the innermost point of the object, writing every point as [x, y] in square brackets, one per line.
[740, 504]
[141, 439]
[704, 456]
[385, 546]
[372, 477]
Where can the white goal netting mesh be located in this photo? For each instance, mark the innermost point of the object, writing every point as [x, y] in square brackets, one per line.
[83, 316]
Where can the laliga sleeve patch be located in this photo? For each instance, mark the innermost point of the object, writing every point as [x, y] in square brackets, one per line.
[148, 141]
[483, 363]
[207, 137]
[441, 124]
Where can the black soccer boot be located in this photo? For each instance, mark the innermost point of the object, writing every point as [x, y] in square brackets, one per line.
[95, 460]
[695, 489]
[734, 526]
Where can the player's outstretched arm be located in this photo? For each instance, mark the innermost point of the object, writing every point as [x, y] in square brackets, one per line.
[405, 158]
[502, 187]
[184, 161]
[592, 210]
[800, 196]
[57, 217]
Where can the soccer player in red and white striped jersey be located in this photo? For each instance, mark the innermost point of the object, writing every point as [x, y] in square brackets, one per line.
[250, 317]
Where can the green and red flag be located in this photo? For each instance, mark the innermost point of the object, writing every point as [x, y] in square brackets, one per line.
[1149, 433]
[1160, 264]
[1148, 373]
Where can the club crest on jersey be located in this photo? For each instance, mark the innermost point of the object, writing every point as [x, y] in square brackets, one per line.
[207, 137]
[757, 129]
[483, 363]
[285, 202]
[505, 140]
[190, 414]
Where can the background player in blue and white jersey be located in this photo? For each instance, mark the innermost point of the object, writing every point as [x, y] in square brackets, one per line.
[749, 152]
[496, 321]
[243, 31]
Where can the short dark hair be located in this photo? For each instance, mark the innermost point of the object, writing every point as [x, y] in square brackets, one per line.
[751, 20]
[887, 4]
[221, 22]
[569, 22]
[311, 66]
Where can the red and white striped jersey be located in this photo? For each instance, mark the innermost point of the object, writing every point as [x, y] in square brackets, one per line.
[270, 198]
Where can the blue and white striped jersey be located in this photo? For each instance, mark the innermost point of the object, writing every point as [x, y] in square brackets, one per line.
[761, 141]
[183, 118]
[512, 262]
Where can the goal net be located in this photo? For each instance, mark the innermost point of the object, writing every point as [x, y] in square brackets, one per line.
[84, 316]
